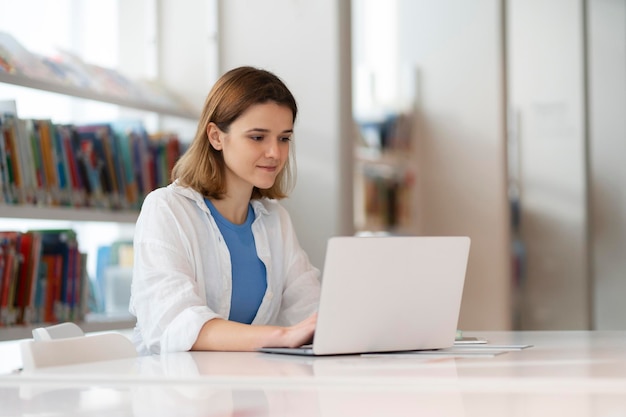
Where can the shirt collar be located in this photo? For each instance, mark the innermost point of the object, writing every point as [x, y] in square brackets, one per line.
[257, 204]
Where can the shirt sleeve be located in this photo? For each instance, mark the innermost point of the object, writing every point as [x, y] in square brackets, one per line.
[301, 292]
[165, 295]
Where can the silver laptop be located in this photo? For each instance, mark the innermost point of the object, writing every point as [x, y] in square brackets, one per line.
[388, 294]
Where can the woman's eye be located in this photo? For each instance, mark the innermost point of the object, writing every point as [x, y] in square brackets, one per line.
[285, 139]
[256, 138]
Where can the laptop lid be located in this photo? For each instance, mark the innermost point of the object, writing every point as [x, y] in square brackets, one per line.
[391, 293]
[387, 294]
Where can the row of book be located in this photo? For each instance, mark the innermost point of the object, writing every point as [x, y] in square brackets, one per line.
[43, 277]
[103, 165]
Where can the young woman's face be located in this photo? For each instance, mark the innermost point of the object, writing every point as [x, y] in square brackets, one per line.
[256, 147]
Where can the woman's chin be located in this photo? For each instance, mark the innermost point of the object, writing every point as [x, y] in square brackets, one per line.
[264, 185]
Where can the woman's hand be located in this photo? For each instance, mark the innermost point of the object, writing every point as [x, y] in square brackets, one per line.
[298, 334]
[225, 335]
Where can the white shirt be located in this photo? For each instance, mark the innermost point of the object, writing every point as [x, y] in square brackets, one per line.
[182, 272]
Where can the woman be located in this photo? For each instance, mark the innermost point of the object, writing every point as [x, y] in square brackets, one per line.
[217, 263]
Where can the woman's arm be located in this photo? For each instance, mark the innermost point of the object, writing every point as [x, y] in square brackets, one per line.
[167, 299]
[225, 335]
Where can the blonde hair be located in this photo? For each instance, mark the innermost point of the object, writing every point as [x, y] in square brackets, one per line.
[202, 167]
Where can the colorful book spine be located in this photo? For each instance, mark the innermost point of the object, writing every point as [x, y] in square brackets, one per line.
[9, 244]
[30, 250]
[106, 165]
[5, 184]
[43, 277]
[29, 182]
[45, 132]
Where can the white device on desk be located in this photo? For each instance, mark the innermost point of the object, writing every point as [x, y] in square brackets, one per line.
[57, 331]
[387, 294]
[66, 344]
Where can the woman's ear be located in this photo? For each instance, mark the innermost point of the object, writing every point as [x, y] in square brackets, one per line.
[215, 136]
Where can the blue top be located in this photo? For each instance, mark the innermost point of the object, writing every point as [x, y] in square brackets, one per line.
[248, 271]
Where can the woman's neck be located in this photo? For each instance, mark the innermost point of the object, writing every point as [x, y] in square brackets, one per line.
[235, 210]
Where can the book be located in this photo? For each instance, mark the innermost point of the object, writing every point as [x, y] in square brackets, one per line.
[29, 182]
[45, 132]
[71, 282]
[39, 181]
[75, 173]
[115, 164]
[162, 151]
[12, 159]
[84, 291]
[167, 150]
[5, 185]
[92, 156]
[52, 287]
[38, 305]
[142, 161]
[10, 242]
[103, 260]
[24, 250]
[125, 135]
[30, 249]
[56, 251]
[62, 165]
[2, 269]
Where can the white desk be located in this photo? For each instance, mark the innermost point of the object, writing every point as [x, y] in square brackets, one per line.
[565, 373]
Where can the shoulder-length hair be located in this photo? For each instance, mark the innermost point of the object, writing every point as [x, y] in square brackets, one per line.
[202, 167]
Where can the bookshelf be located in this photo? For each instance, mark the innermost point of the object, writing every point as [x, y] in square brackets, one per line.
[26, 214]
[84, 214]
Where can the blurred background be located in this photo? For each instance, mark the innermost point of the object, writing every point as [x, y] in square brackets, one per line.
[502, 120]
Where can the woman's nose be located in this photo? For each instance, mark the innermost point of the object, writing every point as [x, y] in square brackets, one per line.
[272, 151]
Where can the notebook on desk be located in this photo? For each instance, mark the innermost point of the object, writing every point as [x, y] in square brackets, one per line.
[388, 294]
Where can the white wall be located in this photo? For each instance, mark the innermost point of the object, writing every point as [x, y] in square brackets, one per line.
[546, 83]
[307, 44]
[606, 25]
[187, 59]
[188, 47]
[176, 43]
[456, 47]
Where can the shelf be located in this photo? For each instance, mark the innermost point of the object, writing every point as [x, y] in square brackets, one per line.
[96, 324]
[67, 213]
[69, 90]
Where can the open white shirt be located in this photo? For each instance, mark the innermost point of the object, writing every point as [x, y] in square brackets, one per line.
[182, 272]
